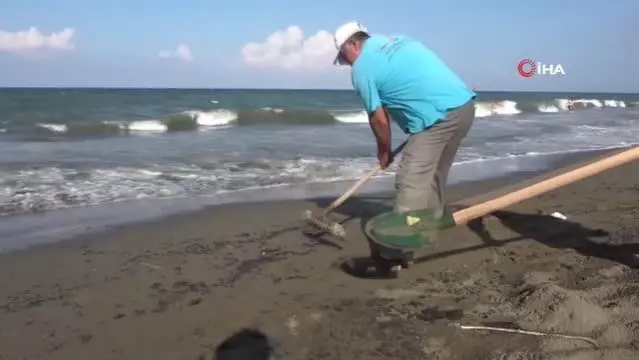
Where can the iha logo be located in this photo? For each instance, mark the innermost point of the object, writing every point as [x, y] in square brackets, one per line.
[527, 68]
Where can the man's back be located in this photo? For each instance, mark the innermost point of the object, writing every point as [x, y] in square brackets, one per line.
[414, 85]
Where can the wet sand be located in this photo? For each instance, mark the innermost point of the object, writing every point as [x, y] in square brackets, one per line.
[176, 288]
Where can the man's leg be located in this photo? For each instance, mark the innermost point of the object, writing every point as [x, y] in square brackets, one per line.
[462, 119]
[426, 161]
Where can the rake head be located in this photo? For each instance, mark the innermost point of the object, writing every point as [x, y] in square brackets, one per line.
[330, 227]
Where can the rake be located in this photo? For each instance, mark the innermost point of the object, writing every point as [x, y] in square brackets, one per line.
[334, 228]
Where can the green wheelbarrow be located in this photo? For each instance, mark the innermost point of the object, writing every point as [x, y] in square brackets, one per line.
[395, 237]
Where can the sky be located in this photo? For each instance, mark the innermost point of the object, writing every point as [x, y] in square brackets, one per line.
[288, 44]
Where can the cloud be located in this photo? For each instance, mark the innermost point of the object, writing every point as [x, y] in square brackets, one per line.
[32, 40]
[182, 52]
[288, 49]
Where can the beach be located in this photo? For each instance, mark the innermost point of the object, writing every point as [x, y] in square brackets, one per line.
[175, 288]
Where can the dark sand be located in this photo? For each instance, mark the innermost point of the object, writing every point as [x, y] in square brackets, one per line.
[176, 288]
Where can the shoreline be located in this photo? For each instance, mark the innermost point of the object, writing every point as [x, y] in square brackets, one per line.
[177, 287]
[23, 231]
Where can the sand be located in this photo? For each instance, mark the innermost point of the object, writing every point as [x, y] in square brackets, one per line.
[177, 288]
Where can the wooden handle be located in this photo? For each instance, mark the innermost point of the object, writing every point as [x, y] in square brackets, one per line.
[353, 188]
[474, 212]
[360, 183]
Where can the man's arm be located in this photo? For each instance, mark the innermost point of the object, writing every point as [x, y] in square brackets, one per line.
[380, 124]
[378, 118]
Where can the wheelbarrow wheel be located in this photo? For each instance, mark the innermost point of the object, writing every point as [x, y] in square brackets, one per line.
[394, 271]
[387, 267]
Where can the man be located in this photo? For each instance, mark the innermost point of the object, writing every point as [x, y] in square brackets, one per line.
[398, 76]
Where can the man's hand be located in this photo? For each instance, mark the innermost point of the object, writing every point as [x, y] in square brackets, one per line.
[384, 159]
[380, 124]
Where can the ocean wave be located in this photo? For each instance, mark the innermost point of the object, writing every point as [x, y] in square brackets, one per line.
[511, 108]
[56, 128]
[284, 117]
[42, 188]
[485, 109]
[213, 118]
[355, 117]
[194, 120]
[146, 126]
[46, 187]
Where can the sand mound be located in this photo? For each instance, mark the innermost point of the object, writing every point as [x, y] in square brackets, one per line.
[600, 313]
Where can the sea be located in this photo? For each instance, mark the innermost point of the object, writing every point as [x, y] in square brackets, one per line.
[78, 159]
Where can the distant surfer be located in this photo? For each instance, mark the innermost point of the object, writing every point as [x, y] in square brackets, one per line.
[571, 104]
[422, 95]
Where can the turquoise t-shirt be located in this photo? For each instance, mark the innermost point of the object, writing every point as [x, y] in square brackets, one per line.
[407, 79]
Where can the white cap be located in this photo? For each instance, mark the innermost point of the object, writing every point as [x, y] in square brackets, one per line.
[342, 34]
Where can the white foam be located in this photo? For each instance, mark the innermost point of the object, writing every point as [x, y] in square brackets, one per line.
[506, 107]
[275, 110]
[482, 110]
[147, 126]
[614, 103]
[41, 188]
[219, 117]
[358, 117]
[58, 128]
[562, 104]
[122, 125]
[594, 102]
[548, 109]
